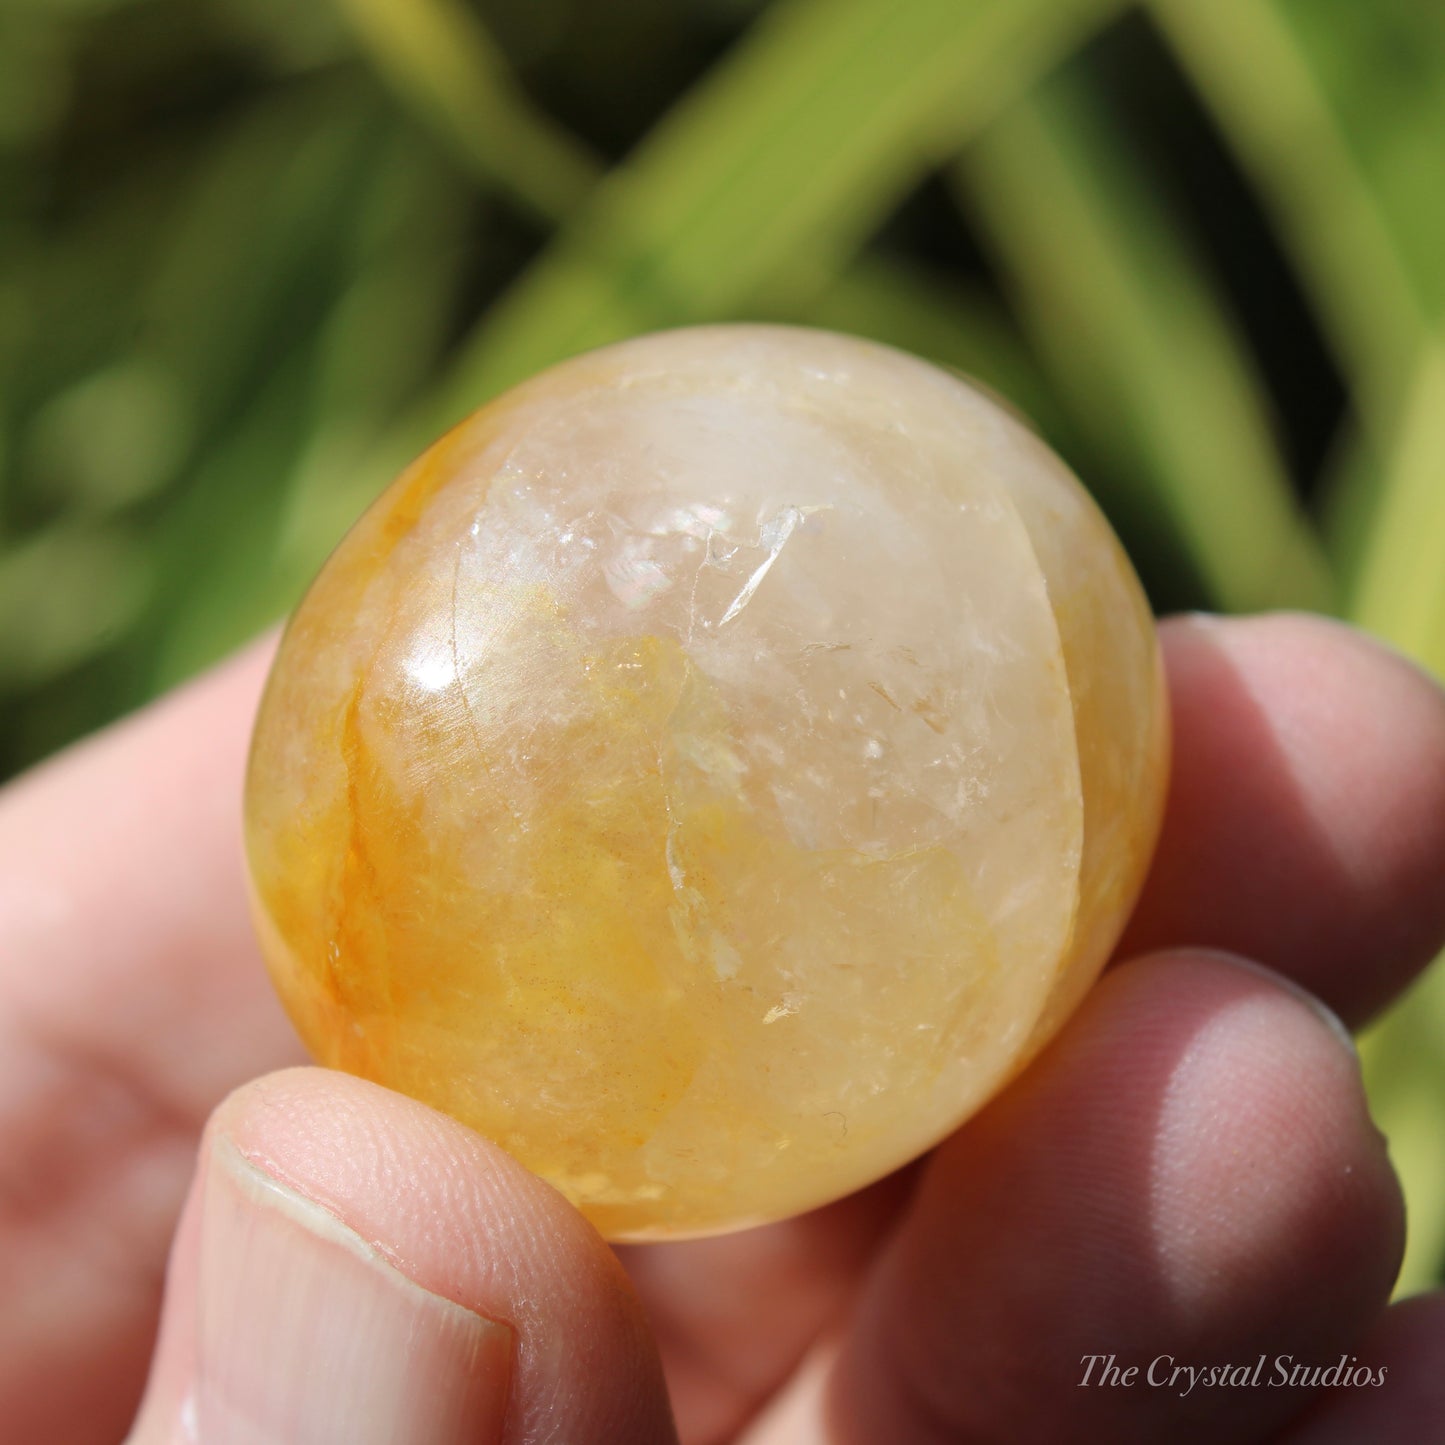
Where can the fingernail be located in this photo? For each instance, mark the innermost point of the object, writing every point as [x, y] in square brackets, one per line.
[1322, 1011]
[308, 1335]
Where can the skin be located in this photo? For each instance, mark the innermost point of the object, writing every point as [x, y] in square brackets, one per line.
[1189, 1169]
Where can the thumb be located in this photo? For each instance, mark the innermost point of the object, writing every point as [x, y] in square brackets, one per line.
[352, 1267]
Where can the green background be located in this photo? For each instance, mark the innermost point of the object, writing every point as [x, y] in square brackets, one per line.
[254, 254]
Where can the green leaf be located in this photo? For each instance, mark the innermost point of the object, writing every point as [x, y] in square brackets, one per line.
[1349, 165]
[49, 586]
[1405, 1082]
[1382, 68]
[753, 193]
[249, 261]
[1251, 67]
[216, 543]
[1140, 343]
[1400, 588]
[440, 59]
[378, 348]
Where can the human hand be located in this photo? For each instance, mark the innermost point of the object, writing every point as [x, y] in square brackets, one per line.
[1189, 1171]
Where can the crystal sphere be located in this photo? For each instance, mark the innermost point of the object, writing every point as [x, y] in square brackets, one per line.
[711, 771]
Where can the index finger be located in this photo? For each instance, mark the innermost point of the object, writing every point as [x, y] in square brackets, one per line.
[1305, 823]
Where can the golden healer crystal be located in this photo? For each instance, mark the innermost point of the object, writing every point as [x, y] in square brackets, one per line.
[711, 772]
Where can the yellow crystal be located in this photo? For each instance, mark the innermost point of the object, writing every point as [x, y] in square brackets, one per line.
[711, 771]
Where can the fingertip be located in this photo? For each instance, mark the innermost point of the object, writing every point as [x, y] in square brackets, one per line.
[369, 1269]
[1305, 824]
[1189, 1169]
[1266, 1168]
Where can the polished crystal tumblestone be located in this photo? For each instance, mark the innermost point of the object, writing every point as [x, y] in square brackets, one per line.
[711, 771]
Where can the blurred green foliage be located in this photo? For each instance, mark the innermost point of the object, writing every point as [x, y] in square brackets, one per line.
[255, 254]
